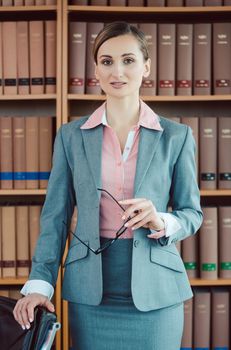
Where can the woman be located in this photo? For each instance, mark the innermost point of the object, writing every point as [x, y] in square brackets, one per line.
[129, 293]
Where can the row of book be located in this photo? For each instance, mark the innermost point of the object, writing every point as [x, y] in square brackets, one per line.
[19, 230]
[27, 57]
[27, 2]
[213, 143]
[207, 320]
[186, 58]
[171, 3]
[207, 254]
[25, 152]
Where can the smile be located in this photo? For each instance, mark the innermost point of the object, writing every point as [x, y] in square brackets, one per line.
[117, 84]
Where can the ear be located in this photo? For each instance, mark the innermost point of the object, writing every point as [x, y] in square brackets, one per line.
[147, 68]
[96, 71]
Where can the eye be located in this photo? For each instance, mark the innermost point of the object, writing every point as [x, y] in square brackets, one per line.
[128, 60]
[106, 62]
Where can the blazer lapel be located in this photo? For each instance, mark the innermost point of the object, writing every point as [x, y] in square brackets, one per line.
[92, 139]
[148, 143]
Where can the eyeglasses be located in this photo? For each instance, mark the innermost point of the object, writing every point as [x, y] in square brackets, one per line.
[110, 241]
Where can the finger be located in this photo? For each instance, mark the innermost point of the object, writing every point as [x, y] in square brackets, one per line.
[131, 201]
[142, 222]
[17, 312]
[143, 217]
[24, 314]
[20, 314]
[140, 207]
[49, 305]
[156, 235]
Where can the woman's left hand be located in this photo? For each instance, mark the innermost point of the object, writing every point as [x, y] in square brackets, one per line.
[143, 214]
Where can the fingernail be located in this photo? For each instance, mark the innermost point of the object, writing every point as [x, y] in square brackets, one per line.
[31, 320]
[126, 225]
[23, 327]
[27, 326]
[123, 217]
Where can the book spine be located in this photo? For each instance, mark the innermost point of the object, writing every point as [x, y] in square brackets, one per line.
[34, 227]
[190, 256]
[6, 150]
[19, 150]
[224, 242]
[9, 58]
[156, 3]
[50, 59]
[1, 62]
[1, 243]
[98, 2]
[222, 58]
[45, 150]
[8, 242]
[184, 59]
[22, 241]
[117, 2]
[51, 2]
[193, 123]
[23, 58]
[36, 34]
[187, 338]
[202, 59]
[18, 2]
[201, 324]
[92, 84]
[209, 244]
[227, 2]
[39, 2]
[79, 2]
[208, 153]
[212, 2]
[224, 147]
[174, 3]
[148, 87]
[193, 2]
[29, 2]
[7, 2]
[166, 59]
[77, 57]
[220, 319]
[135, 3]
[32, 152]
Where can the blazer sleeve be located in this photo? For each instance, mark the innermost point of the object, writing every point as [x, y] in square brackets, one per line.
[185, 194]
[57, 210]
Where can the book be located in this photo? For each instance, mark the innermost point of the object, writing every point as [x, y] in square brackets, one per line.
[98, 2]
[190, 256]
[166, 59]
[224, 241]
[201, 319]
[77, 56]
[50, 2]
[6, 155]
[224, 147]
[193, 2]
[193, 123]
[29, 2]
[227, 2]
[39, 2]
[7, 2]
[23, 57]
[208, 153]
[18, 2]
[34, 227]
[135, 2]
[50, 57]
[45, 150]
[22, 240]
[9, 49]
[117, 2]
[36, 34]
[0, 242]
[8, 242]
[222, 58]
[202, 59]
[19, 152]
[148, 87]
[220, 319]
[32, 152]
[157, 3]
[1, 63]
[187, 338]
[78, 2]
[175, 3]
[209, 244]
[184, 44]
[92, 84]
[212, 2]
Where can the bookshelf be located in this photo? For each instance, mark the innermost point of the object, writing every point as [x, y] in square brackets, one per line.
[75, 104]
[36, 104]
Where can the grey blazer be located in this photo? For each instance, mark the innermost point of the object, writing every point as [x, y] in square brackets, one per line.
[165, 173]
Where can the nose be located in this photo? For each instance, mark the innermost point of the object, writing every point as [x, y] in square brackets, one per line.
[118, 70]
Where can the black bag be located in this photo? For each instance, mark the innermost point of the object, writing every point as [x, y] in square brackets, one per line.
[40, 335]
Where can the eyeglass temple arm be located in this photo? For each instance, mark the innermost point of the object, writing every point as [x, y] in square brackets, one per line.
[101, 189]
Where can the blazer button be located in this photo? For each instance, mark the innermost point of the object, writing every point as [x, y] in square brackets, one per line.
[136, 243]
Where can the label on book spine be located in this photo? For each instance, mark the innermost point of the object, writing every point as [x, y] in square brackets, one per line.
[10, 82]
[190, 265]
[148, 83]
[6, 176]
[76, 82]
[202, 83]
[44, 175]
[226, 265]
[221, 348]
[208, 176]
[19, 175]
[166, 83]
[32, 176]
[92, 82]
[23, 263]
[0, 82]
[225, 176]
[8, 263]
[50, 81]
[209, 267]
[37, 81]
[184, 83]
[23, 81]
[222, 83]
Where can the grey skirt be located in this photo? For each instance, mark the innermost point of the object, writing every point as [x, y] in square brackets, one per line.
[116, 324]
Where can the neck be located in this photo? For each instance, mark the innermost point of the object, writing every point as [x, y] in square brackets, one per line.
[122, 112]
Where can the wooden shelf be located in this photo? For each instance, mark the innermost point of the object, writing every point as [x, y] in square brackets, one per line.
[23, 192]
[13, 281]
[28, 97]
[202, 282]
[27, 8]
[195, 98]
[208, 193]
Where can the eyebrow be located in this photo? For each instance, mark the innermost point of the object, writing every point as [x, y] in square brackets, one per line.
[125, 54]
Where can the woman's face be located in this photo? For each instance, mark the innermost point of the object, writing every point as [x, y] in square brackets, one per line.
[121, 66]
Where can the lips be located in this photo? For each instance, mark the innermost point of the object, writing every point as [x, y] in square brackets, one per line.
[117, 84]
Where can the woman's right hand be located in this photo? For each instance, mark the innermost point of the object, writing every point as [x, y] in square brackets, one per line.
[24, 308]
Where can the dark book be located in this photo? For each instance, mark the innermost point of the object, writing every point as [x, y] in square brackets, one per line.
[224, 147]
[202, 59]
[208, 153]
[184, 45]
[148, 87]
[209, 244]
[201, 319]
[224, 242]
[77, 57]
[222, 58]
[166, 59]
[190, 256]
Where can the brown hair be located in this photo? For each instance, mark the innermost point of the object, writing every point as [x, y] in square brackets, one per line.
[115, 29]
